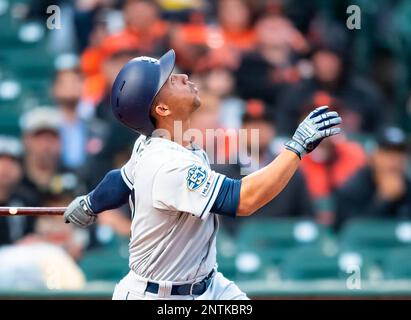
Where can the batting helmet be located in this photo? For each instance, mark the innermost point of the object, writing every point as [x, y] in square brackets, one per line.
[135, 88]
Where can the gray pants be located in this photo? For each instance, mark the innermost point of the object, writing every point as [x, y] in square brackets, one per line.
[132, 287]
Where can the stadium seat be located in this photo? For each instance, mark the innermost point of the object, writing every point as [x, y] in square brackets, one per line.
[30, 64]
[12, 100]
[226, 251]
[107, 263]
[10, 38]
[363, 263]
[375, 237]
[255, 265]
[397, 264]
[272, 238]
[226, 266]
[310, 263]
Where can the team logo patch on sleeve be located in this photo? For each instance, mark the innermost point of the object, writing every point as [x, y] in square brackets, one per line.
[196, 177]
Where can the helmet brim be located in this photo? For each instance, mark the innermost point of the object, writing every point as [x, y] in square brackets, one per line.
[167, 63]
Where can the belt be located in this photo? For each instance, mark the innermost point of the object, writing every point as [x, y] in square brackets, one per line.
[196, 288]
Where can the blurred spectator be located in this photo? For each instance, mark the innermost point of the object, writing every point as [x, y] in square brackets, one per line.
[382, 188]
[115, 150]
[201, 46]
[144, 29]
[63, 188]
[91, 61]
[206, 121]
[60, 39]
[221, 83]
[301, 13]
[67, 89]
[79, 138]
[190, 41]
[330, 165]
[363, 103]
[273, 63]
[144, 33]
[40, 127]
[326, 169]
[180, 10]
[13, 228]
[87, 15]
[39, 265]
[294, 200]
[108, 146]
[237, 29]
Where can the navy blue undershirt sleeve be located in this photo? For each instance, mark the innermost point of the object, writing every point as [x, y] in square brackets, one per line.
[112, 192]
[228, 198]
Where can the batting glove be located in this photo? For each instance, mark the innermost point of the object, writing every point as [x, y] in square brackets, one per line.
[317, 126]
[79, 212]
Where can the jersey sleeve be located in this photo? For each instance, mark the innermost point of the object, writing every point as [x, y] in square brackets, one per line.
[127, 171]
[186, 186]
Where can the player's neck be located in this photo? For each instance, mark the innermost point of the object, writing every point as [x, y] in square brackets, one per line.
[174, 131]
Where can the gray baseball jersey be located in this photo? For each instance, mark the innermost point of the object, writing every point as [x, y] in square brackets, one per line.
[173, 233]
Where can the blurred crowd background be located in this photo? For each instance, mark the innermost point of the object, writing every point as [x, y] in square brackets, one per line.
[261, 64]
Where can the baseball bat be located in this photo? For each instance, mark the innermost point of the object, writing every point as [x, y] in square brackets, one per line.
[31, 211]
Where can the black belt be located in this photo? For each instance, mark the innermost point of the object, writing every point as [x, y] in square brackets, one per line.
[196, 288]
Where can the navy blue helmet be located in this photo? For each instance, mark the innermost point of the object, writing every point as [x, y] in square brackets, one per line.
[135, 88]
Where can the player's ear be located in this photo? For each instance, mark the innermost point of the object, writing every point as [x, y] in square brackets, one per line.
[162, 110]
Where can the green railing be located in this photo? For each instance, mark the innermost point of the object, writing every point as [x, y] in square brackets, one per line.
[254, 289]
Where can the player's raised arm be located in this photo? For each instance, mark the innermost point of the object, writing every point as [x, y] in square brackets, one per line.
[262, 186]
[187, 186]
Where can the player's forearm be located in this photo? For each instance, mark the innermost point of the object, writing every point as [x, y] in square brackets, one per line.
[260, 187]
[111, 193]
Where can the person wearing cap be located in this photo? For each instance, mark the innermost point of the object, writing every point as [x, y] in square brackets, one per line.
[12, 229]
[46, 257]
[382, 188]
[48, 229]
[40, 133]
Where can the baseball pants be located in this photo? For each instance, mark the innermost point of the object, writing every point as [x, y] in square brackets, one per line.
[132, 287]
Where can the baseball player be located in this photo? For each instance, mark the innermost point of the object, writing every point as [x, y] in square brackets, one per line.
[174, 195]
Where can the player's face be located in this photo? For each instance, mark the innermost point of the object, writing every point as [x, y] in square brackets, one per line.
[181, 95]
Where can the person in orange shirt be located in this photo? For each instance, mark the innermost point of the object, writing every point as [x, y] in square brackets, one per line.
[201, 46]
[144, 30]
[274, 64]
[235, 18]
[144, 33]
[329, 167]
